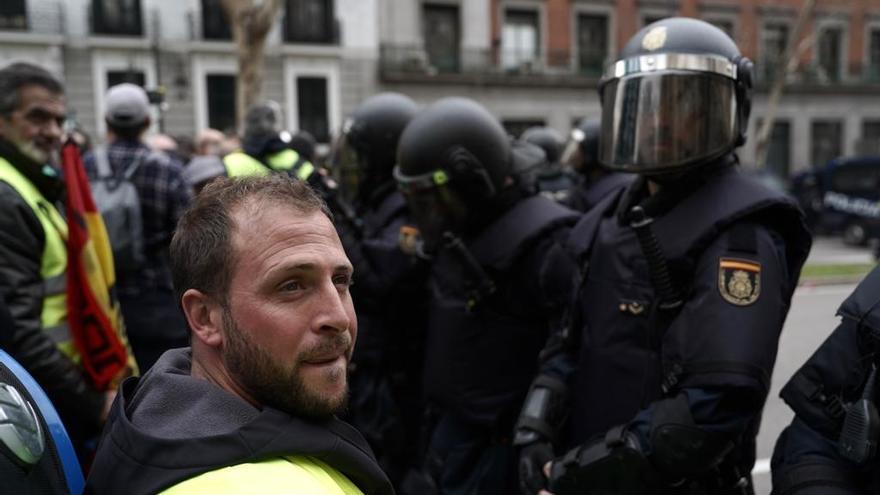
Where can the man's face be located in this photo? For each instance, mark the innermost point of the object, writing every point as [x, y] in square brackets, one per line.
[35, 126]
[289, 326]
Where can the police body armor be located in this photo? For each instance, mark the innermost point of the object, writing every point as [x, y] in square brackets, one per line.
[587, 194]
[481, 358]
[835, 375]
[626, 360]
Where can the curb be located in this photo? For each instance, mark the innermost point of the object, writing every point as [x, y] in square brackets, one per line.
[832, 280]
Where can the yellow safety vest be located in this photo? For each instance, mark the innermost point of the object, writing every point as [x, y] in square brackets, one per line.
[53, 261]
[280, 476]
[239, 163]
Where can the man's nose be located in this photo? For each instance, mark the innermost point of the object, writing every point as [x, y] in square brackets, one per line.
[333, 312]
[52, 130]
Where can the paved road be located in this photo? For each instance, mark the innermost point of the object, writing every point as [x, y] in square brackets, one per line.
[809, 322]
[832, 250]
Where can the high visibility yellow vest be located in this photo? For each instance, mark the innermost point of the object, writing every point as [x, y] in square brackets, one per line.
[53, 261]
[280, 476]
[239, 163]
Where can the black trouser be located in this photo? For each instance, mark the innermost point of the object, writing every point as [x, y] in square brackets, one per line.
[154, 324]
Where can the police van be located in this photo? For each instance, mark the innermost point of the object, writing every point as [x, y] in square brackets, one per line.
[849, 188]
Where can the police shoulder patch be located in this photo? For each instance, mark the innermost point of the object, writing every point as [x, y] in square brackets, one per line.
[739, 281]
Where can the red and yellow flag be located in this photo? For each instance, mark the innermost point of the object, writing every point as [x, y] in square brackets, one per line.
[93, 312]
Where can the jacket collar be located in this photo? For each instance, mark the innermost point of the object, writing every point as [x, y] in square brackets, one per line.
[46, 178]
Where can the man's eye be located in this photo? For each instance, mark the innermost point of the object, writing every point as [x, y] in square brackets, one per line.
[343, 280]
[290, 286]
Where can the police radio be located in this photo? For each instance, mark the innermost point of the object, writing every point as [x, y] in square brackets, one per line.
[861, 428]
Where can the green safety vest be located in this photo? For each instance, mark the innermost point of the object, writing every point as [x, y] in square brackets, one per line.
[285, 475]
[53, 261]
[239, 163]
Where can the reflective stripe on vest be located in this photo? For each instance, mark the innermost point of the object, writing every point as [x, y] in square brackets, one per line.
[239, 163]
[293, 474]
[53, 263]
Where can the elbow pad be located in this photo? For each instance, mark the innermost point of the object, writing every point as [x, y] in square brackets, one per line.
[543, 412]
[680, 448]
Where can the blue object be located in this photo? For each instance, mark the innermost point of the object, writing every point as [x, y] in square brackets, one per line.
[66, 455]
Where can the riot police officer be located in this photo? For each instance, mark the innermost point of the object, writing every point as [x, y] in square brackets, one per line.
[830, 448]
[582, 155]
[498, 280]
[385, 385]
[686, 280]
[553, 179]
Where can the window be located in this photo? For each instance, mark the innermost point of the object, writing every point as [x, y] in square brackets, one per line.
[117, 17]
[830, 54]
[869, 144]
[778, 160]
[115, 77]
[442, 37]
[221, 101]
[652, 18]
[309, 21]
[592, 40]
[873, 72]
[13, 14]
[826, 137]
[215, 24]
[515, 127]
[520, 46]
[725, 25]
[773, 42]
[311, 97]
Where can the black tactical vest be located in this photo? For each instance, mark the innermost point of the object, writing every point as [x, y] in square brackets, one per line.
[585, 196]
[835, 374]
[480, 360]
[622, 364]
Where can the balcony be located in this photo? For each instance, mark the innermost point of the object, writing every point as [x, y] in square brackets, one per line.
[415, 63]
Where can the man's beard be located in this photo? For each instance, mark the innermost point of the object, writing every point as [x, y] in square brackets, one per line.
[35, 153]
[278, 385]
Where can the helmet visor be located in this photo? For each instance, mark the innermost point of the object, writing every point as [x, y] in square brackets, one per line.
[434, 207]
[345, 166]
[663, 121]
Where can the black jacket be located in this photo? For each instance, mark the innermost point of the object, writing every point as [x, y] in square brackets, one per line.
[21, 246]
[167, 426]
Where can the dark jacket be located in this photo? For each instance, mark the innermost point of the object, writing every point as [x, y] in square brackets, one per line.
[167, 427]
[21, 245]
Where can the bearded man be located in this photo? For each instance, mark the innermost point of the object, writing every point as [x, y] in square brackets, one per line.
[250, 407]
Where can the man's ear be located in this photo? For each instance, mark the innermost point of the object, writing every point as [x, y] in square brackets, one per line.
[204, 315]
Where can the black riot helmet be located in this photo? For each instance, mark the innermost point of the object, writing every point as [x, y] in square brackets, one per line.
[365, 155]
[678, 97]
[582, 150]
[453, 161]
[545, 138]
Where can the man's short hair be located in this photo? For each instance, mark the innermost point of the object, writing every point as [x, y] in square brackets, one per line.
[15, 76]
[202, 255]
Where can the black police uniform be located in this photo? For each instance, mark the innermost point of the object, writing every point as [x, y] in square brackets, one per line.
[587, 193]
[499, 278]
[718, 349]
[686, 280]
[594, 182]
[385, 401]
[809, 459]
[552, 179]
[482, 354]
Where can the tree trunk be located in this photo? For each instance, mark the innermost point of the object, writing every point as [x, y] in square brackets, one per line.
[251, 21]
